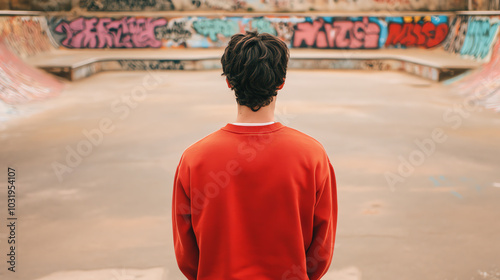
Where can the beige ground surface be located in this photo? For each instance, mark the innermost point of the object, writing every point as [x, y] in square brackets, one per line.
[109, 217]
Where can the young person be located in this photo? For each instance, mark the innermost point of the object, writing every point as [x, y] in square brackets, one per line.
[255, 200]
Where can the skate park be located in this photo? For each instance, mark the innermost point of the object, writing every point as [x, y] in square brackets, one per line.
[100, 98]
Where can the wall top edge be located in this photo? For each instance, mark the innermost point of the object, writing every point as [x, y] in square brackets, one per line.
[240, 14]
[478, 13]
[19, 13]
[253, 14]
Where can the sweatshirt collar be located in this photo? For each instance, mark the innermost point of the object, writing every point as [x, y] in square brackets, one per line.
[253, 129]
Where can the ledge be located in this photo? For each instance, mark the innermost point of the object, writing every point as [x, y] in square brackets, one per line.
[77, 64]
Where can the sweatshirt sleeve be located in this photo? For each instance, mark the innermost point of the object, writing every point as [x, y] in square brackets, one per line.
[185, 245]
[320, 252]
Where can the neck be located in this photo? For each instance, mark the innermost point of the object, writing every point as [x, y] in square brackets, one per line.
[265, 114]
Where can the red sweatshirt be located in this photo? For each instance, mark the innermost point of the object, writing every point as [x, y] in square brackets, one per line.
[252, 203]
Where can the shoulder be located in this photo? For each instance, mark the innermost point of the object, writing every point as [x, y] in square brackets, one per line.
[304, 140]
[202, 144]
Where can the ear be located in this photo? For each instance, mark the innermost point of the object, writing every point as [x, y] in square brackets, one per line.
[228, 84]
[280, 87]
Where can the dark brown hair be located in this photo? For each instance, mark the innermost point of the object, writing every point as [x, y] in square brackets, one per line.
[255, 65]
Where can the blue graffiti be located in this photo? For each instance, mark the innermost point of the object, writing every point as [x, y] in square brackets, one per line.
[212, 28]
[479, 38]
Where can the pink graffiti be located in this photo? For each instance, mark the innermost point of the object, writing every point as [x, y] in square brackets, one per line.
[337, 35]
[112, 33]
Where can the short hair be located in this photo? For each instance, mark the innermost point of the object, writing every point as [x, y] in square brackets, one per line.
[255, 65]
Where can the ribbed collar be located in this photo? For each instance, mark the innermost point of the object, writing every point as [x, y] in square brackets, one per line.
[253, 129]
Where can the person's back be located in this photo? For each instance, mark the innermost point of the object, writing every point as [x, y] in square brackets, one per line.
[254, 201]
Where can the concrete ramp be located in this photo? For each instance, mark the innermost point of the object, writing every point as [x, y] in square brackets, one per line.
[483, 85]
[21, 82]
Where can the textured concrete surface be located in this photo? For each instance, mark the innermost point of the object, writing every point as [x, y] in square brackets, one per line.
[106, 215]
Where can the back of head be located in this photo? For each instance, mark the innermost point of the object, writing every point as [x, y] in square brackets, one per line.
[255, 66]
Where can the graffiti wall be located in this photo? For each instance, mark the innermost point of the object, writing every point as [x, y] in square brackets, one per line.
[247, 5]
[272, 6]
[38, 5]
[110, 33]
[26, 35]
[334, 33]
[473, 36]
[127, 5]
[484, 5]
[426, 32]
[206, 32]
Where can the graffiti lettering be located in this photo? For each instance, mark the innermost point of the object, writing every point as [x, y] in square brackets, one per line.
[25, 36]
[378, 65]
[151, 64]
[263, 26]
[337, 35]
[107, 32]
[416, 34]
[212, 28]
[126, 5]
[479, 38]
[284, 30]
[225, 4]
[482, 86]
[456, 37]
[175, 31]
[49, 5]
[491, 5]
[267, 6]
[469, 35]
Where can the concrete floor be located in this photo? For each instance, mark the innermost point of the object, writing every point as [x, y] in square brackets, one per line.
[107, 215]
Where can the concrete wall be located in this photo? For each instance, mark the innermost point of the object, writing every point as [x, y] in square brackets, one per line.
[206, 32]
[39, 5]
[484, 5]
[273, 5]
[240, 5]
[469, 36]
[472, 36]
[26, 35]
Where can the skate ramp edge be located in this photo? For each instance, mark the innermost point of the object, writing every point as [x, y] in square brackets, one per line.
[21, 82]
[24, 35]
